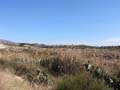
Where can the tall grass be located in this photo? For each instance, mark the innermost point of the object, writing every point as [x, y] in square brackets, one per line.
[81, 82]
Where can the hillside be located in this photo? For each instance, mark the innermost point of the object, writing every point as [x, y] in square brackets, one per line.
[54, 63]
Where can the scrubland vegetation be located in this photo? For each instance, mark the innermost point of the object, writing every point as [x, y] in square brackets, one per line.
[83, 81]
[57, 68]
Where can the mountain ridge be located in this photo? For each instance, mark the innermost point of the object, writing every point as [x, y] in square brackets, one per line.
[7, 42]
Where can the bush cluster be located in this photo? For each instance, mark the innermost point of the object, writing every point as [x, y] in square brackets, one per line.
[81, 82]
[58, 66]
[32, 74]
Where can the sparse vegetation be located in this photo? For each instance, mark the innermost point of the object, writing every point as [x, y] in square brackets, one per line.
[44, 67]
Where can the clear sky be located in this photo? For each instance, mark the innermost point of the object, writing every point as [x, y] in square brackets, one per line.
[93, 22]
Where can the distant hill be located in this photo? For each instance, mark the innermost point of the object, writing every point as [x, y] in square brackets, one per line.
[6, 42]
[31, 44]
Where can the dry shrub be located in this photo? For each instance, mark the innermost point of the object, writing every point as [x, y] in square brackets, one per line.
[116, 71]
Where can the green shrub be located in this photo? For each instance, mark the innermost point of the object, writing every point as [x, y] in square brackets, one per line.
[56, 66]
[81, 82]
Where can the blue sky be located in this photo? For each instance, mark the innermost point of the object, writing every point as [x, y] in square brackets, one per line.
[93, 22]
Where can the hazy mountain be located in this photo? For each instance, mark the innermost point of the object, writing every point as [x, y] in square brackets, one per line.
[7, 42]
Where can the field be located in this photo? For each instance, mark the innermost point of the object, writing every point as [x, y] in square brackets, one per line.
[27, 67]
